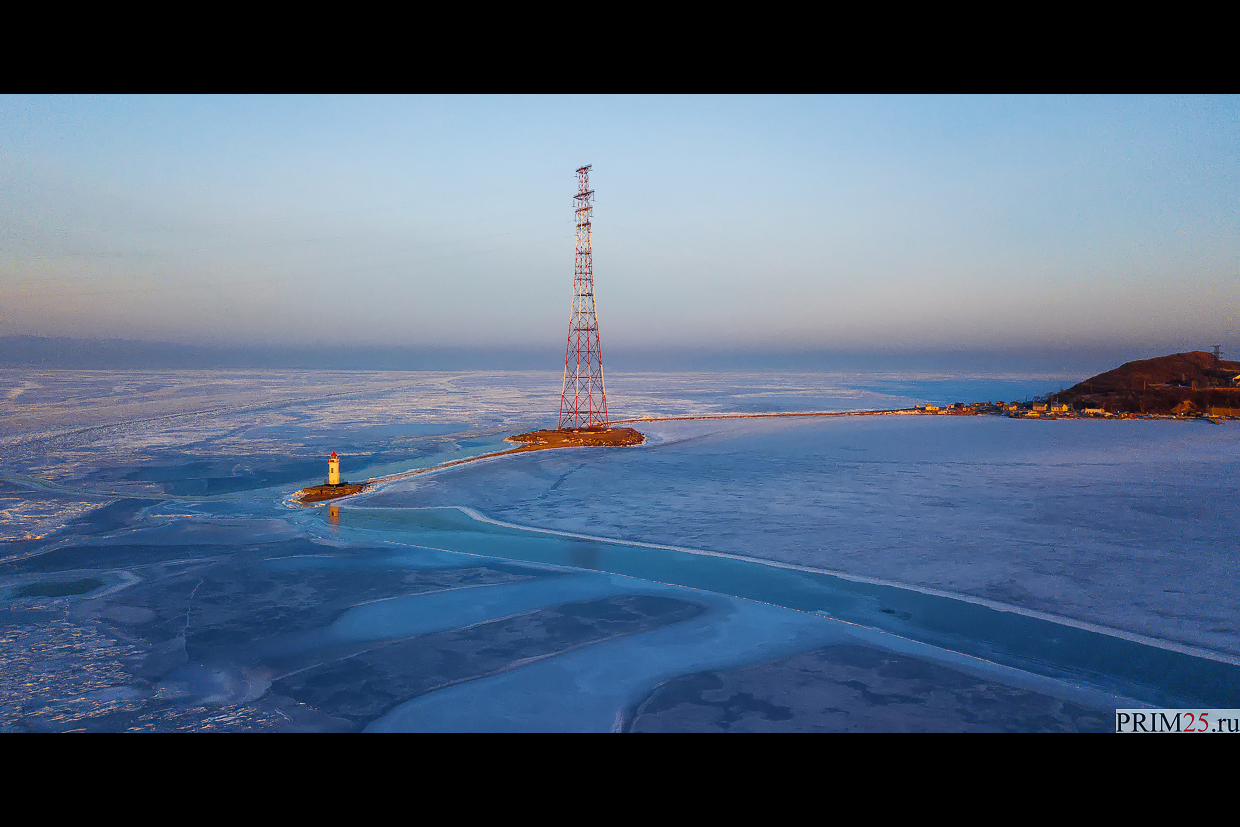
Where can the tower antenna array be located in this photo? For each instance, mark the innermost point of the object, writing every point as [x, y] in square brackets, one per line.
[583, 402]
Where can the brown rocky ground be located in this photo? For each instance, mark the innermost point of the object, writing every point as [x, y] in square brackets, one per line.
[319, 493]
[567, 438]
[1179, 383]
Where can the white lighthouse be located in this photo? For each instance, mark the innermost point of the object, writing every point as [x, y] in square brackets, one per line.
[333, 469]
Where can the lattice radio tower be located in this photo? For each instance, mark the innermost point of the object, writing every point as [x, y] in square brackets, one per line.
[583, 402]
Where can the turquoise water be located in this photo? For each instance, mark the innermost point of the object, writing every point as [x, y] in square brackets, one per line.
[1111, 663]
[210, 569]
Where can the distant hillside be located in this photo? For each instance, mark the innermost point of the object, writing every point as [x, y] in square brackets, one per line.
[1178, 369]
[1179, 383]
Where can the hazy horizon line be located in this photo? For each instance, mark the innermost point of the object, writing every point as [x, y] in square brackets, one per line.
[69, 353]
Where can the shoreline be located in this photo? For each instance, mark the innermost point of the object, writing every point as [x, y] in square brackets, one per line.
[551, 445]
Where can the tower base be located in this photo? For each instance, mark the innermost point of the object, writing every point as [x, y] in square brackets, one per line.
[595, 435]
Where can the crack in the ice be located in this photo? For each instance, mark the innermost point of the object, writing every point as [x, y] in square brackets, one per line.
[188, 603]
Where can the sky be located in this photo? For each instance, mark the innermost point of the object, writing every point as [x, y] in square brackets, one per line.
[721, 224]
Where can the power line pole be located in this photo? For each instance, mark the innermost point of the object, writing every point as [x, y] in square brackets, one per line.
[583, 401]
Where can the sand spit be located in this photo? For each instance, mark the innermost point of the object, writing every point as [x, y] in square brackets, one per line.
[680, 417]
[621, 437]
[532, 441]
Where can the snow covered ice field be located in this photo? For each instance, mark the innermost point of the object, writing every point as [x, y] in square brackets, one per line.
[872, 573]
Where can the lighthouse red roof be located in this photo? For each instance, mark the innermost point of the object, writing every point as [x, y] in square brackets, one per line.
[333, 453]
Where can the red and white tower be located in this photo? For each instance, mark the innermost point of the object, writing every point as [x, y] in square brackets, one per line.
[583, 402]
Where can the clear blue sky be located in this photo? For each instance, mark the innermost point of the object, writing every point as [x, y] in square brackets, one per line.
[768, 223]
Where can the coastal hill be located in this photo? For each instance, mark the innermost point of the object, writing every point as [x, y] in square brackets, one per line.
[1179, 383]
